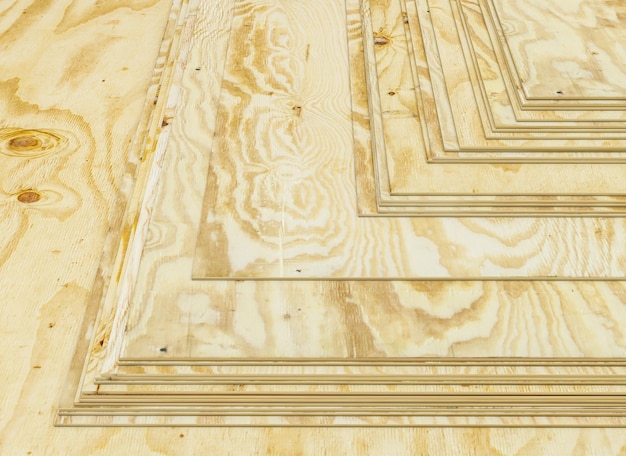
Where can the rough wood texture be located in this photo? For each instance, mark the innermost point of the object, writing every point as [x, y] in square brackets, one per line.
[434, 188]
[575, 48]
[170, 350]
[44, 294]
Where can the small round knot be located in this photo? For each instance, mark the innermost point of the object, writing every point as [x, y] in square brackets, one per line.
[28, 197]
[23, 143]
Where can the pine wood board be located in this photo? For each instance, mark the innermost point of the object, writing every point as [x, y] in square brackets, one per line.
[458, 107]
[284, 442]
[574, 47]
[58, 289]
[260, 223]
[484, 37]
[151, 398]
[372, 181]
[413, 177]
[373, 189]
[495, 88]
[497, 33]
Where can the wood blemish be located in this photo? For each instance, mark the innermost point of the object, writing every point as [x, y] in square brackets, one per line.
[28, 197]
[381, 40]
[24, 142]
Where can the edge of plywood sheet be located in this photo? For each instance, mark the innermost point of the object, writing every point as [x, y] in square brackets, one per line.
[112, 280]
[453, 82]
[495, 89]
[416, 173]
[259, 223]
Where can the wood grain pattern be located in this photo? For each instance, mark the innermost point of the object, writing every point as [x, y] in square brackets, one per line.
[413, 175]
[41, 310]
[259, 223]
[495, 87]
[372, 187]
[180, 333]
[496, 30]
[49, 329]
[459, 113]
[574, 48]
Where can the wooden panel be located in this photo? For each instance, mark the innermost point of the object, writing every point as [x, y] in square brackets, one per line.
[452, 82]
[170, 350]
[575, 48]
[47, 272]
[485, 61]
[437, 199]
[287, 211]
[458, 115]
[410, 173]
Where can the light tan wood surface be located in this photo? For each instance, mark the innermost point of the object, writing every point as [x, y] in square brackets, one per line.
[399, 152]
[65, 209]
[574, 48]
[409, 172]
[288, 211]
[166, 349]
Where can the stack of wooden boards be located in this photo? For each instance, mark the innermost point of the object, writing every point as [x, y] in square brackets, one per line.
[452, 93]
[278, 267]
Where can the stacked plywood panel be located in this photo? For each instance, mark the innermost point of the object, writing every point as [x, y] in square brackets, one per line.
[278, 267]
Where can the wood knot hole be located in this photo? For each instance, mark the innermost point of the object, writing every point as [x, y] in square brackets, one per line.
[24, 142]
[28, 197]
[381, 40]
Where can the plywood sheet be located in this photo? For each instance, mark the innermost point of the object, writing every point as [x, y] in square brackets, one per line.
[495, 87]
[372, 182]
[457, 107]
[287, 211]
[574, 49]
[409, 173]
[170, 350]
[372, 173]
[57, 291]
